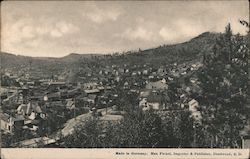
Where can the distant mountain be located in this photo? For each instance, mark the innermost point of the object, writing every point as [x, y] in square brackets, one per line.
[73, 57]
[8, 60]
[190, 50]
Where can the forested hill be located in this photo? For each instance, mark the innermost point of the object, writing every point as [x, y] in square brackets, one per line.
[192, 49]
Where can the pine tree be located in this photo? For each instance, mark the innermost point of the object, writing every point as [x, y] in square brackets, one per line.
[224, 84]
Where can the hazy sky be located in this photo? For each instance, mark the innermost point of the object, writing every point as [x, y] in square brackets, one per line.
[44, 28]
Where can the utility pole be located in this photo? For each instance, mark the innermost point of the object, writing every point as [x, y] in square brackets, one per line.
[194, 144]
[74, 108]
[47, 124]
[106, 109]
[211, 143]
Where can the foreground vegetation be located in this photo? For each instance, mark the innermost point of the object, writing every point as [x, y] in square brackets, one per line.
[224, 107]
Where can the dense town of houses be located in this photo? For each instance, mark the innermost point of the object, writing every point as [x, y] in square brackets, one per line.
[31, 104]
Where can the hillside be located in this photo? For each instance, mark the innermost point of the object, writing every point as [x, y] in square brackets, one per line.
[166, 54]
[182, 52]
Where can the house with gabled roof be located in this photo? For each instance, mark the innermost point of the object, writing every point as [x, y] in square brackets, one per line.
[158, 85]
[10, 123]
[31, 110]
[151, 100]
[194, 109]
[70, 104]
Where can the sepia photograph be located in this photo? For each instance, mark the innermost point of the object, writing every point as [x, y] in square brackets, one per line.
[155, 75]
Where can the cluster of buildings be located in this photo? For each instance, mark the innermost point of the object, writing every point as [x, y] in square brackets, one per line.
[25, 98]
[28, 102]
